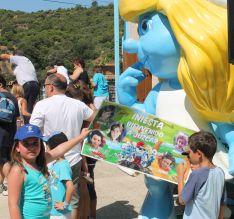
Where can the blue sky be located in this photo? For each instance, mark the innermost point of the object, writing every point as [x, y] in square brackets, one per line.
[36, 5]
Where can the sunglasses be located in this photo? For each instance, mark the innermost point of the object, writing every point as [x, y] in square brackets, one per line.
[44, 85]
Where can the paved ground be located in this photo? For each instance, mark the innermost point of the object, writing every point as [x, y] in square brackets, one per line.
[119, 195]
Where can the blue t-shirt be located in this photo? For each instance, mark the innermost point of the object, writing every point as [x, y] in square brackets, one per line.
[101, 85]
[204, 193]
[35, 201]
[59, 173]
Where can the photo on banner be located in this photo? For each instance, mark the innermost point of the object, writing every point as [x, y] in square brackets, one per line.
[137, 140]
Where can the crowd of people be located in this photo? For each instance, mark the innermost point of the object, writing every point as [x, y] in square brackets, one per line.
[44, 178]
[68, 109]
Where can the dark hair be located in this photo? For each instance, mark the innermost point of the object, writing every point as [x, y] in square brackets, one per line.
[203, 141]
[56, 140]
[183, 136]
[97, 69]
[108, 108]
[79, 60]
[58, 62]
[168, 156]
[58, 80]
[117, 125]
[96, 132]
[40, 160]
[18, 52]
[80, 90]
[2, 81]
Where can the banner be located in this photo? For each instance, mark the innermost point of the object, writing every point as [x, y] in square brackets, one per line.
[137, 140]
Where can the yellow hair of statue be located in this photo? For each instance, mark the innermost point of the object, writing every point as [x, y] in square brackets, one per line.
[200, 27]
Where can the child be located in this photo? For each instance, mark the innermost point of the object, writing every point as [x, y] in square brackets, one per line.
[104, 117]
[101, 88]
[203, 193]
[106, 113]
[117, 132]
[18, 91]
[96, 139]
[61, 184]
[181, 141]
[166, 162]
[29, 193]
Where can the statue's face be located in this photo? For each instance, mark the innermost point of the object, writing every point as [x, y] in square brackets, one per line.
[157, 47]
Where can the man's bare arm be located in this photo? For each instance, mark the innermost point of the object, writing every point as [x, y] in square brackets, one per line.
[5, 57]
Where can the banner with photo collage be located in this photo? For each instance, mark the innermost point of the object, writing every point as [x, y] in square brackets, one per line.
[137, 140]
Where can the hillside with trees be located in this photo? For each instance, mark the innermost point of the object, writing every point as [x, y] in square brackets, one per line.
[47, 37]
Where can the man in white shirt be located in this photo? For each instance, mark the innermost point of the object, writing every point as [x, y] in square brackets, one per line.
[25, 75]
[61, 113]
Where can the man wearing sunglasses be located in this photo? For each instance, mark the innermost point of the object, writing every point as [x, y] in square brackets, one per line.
[61, 113]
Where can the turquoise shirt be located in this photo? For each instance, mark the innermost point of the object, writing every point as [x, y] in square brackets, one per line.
[59, 173]
[101, 88]
[35, 202]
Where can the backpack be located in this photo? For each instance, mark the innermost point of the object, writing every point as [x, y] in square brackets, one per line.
[7, 109]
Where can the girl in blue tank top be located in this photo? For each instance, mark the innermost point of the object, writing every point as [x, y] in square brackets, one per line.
[28, 189]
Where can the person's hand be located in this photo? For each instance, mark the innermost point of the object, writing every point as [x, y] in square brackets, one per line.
[51, 71]
[59, 206]
[127, 85]
[78, 67]
[194, 166]
[84, 132]
[181, 170]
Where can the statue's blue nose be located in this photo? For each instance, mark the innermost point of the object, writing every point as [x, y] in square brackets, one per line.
[130, 46]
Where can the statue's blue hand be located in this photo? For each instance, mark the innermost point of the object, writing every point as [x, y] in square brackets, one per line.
[127, 84]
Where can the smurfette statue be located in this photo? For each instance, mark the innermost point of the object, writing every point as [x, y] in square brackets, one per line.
[184, 44]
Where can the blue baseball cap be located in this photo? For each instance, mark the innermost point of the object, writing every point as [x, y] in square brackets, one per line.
[46, 138]
[28, 131]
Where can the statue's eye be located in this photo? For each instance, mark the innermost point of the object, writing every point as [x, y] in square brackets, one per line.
[144, 26]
